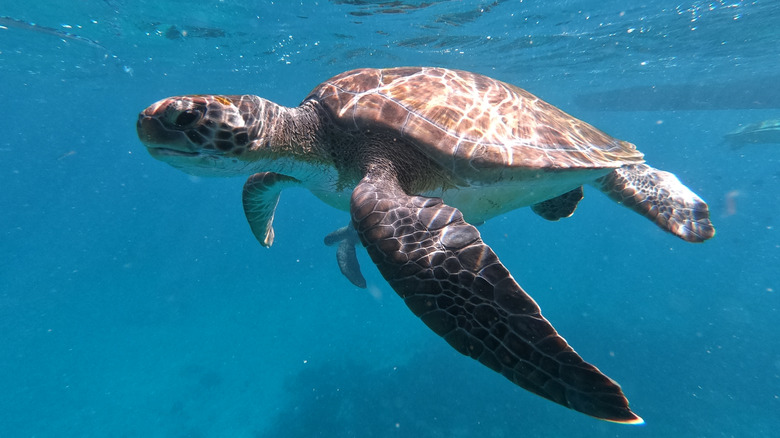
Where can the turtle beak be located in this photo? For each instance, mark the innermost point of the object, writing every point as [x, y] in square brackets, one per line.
[152, 133]
[163, 136]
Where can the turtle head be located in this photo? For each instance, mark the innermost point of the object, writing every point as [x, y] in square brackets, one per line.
[204, 134]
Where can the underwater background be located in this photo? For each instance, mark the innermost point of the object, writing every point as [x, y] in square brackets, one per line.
[135, 302]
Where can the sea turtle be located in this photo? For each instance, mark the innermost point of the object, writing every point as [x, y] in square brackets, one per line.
[414, 153]
[766, 131]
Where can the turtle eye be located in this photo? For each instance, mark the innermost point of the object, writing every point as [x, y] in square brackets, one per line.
[187, 118]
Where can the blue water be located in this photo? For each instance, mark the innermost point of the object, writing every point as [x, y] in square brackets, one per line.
[134, 301]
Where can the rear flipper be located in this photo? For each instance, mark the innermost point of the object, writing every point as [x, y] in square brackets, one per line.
[559, 207]
[660, 197]
[347, 238]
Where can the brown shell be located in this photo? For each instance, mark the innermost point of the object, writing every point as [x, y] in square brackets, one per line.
[458, 118]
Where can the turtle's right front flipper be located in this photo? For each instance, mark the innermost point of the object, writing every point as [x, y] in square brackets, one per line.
[455, 283]
[261, 195]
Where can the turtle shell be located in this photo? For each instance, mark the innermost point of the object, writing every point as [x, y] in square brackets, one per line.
[468, 121]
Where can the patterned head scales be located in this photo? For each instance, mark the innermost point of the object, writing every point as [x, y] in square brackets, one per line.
[205, 134]
[200, 123]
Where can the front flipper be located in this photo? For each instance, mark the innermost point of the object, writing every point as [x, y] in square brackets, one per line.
[662, 198]
[455, 283]
[261, 195]
[560, 206]
[347, 238]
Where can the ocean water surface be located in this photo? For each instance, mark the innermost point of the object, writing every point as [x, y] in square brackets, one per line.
[135, 302]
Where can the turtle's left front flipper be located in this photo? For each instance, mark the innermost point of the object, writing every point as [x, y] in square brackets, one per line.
[455, 283]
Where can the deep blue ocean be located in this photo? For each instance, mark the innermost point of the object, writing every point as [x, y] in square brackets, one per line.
[135, 302]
